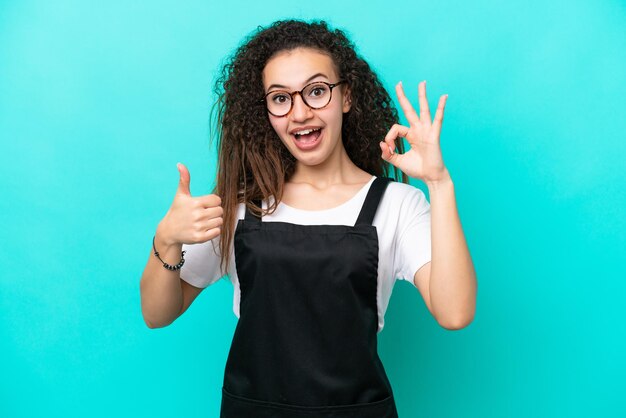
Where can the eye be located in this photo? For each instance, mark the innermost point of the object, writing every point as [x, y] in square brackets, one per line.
[318, 90]
[280, 98]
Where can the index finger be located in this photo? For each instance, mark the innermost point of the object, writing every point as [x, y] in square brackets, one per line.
[409, 112]
[424, 110]
[210, 200]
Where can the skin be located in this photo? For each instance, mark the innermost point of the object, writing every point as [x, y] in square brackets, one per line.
[325, 176]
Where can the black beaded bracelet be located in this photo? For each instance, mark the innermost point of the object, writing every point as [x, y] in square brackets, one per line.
[169, 266]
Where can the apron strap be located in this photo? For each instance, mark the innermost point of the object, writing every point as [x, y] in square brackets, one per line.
[366, 216]
[374, 194]
[250, 217]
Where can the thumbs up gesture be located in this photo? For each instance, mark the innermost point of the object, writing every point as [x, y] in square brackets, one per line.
[190, 220]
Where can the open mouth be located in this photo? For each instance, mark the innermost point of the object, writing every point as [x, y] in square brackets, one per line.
[310, 137]
[309, 140]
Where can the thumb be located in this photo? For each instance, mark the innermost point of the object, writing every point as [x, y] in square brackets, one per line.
[183, 184]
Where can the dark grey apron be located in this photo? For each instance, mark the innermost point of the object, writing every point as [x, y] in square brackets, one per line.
[305, 344]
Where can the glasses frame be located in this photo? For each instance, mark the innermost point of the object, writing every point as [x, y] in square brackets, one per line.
[293, 93]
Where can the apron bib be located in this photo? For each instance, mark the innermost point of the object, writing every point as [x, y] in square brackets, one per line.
[305, 344]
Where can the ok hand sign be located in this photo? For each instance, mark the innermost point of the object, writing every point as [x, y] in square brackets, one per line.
[424, 160]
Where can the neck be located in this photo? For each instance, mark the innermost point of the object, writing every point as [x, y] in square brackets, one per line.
[337, 169]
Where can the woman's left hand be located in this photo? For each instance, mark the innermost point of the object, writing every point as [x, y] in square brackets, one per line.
[424, 160]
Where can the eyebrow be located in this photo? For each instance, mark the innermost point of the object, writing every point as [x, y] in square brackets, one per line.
[310, 78]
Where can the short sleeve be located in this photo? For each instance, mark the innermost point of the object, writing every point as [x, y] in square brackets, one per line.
[202, 263]
[413, 246]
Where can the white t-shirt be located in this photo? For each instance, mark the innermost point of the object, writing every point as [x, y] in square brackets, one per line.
[402, 222]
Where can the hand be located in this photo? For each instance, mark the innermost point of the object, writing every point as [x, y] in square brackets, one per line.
[424, 160]
[190, 220]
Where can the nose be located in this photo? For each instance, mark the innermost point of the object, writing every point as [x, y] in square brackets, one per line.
[300, 110]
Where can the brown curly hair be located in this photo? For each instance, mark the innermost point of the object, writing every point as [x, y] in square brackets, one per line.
[253, 163]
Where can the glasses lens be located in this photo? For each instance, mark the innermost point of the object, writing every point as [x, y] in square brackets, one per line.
[317, 95]
[279, 102]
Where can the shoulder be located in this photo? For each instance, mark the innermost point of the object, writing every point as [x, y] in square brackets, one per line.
[402, 202]
[398, 191]
[401, 186]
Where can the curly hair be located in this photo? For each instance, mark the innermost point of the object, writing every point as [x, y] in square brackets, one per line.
[252, 161]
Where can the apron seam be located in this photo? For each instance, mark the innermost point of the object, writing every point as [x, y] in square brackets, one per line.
[304, 408]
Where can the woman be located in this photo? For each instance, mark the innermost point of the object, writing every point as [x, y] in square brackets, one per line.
[310, 230]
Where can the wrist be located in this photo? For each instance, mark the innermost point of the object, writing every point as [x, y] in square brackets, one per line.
[162, 239]
[441, 181]
[165, 253]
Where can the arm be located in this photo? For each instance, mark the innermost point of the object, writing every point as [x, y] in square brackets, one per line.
[448, 283]
[190, 220]
[164, 295]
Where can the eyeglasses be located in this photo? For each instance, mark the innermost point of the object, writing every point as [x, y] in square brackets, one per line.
[316, 95]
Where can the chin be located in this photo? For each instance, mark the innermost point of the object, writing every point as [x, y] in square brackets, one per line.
[309, 161]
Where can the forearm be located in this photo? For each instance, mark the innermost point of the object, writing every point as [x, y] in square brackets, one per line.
[161, 293]
[452, 285]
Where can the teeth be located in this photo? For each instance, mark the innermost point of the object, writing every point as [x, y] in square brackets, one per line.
[306, 131]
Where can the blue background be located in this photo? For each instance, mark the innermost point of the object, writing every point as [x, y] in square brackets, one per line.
[99, 101]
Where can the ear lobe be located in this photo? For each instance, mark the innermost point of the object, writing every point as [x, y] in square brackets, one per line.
[347, 101]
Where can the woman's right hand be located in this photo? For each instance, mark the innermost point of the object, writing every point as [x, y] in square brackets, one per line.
[190, 220]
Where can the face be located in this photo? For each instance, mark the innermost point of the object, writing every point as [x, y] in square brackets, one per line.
[291, 71]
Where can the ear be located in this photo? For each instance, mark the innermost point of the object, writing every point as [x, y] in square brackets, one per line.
[347, 100]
